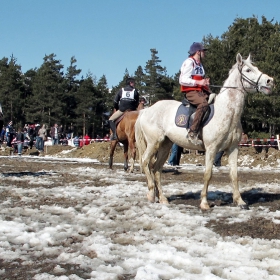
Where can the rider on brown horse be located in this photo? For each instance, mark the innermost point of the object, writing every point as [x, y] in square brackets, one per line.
[127, 99]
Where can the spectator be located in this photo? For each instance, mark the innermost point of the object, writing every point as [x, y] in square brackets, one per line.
[69, 132]
[175, 155]
[37, 128]
[244, 139]
[19, 140]
[63, 140]
[42, 137]
[14, 144]
[3, 132]
[76, 141]
[55, 134]
[31, 131]
[87, 139]
[218, 159]
[60, 132]
[273, 142]
[9, 134]
[81, 141]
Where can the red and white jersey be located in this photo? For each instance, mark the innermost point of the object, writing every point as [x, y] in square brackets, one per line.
[191, 71]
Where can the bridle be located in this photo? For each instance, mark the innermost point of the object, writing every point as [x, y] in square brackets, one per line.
[243, 77]
[251, 82]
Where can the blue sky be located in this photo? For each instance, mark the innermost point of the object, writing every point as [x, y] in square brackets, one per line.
[109, 36]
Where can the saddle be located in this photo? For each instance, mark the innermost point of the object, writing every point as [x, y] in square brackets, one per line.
[185, 115]
[118, 120]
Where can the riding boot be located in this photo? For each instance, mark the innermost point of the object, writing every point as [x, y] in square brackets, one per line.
[113, 128]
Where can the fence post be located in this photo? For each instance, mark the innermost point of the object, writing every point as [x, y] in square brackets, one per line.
[278, 141]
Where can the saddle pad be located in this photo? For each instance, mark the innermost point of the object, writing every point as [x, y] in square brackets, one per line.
[182, 116]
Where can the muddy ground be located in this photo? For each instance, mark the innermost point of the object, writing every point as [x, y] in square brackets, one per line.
[248, 157]
[255, 228]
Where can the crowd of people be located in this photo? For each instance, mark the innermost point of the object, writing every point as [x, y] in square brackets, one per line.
[36, 135]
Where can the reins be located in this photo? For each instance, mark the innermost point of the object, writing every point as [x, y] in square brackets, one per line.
[251, 82]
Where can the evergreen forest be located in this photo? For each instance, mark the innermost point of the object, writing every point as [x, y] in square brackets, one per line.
[54, 93]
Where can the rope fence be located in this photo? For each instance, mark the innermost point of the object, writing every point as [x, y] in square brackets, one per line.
[254, 142]
[257, 142]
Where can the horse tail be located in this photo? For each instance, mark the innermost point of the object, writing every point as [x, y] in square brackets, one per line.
[140, 140]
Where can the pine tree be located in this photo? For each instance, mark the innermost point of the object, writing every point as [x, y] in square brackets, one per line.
[84, 109]
[48, 91]
[71, 88]
[156, 84]
[140, 78]
[12, 90]
[102, 100]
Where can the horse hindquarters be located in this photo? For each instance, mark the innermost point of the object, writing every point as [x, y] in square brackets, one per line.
[151, 158]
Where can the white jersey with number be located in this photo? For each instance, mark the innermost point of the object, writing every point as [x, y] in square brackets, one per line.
[189, 69]
[128, 94]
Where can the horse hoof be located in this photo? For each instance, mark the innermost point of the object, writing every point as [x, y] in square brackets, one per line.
[204, 207]
[244, 206]
[151, 198]
[164, 201]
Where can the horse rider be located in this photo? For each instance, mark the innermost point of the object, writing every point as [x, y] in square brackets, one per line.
[194, 85]
[127, 99]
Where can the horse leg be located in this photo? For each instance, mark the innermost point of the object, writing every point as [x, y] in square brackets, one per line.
[232, 161]
[113, 145]
[125, 153]
[147, 157]
[162, 156]
[209, 160]
[132, 148]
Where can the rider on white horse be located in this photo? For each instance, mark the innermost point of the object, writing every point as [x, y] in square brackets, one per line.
[127, 98]
[194, 85]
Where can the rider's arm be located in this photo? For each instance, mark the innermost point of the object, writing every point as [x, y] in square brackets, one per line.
[185, 78]
[137, 96]
[117, 100]
[186, 74]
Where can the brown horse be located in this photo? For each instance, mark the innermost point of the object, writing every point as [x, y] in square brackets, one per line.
[125, 135]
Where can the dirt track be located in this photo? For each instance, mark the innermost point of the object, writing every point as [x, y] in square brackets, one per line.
[100, 151]
[35, 165]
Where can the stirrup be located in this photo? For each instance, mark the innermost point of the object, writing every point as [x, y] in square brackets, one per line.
[193, 138]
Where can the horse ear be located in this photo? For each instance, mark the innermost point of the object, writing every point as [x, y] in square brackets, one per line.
[239, 58]
[249, 58]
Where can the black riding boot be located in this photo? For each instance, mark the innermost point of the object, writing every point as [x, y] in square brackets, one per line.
[113, 128]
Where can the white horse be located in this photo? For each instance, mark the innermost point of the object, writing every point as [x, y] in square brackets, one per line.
[155, 130]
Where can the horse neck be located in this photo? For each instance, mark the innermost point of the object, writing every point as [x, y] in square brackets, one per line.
[232, 94]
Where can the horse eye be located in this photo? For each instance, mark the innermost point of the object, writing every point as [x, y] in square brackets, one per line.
[248, 70]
